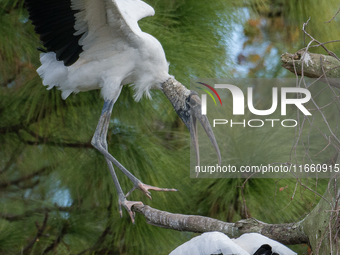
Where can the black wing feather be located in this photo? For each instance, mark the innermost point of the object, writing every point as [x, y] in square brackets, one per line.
[54, 21]
[56, 35]
[73, 58]
[56, 39]
[68, 49]
[265, 249]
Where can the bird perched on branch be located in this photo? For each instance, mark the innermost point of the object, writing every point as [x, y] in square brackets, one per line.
[97, 44]
[219, 243]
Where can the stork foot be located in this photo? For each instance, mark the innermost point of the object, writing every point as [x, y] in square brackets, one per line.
[128, 205]
[145, 189]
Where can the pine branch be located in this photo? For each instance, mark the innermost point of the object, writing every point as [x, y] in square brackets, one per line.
[15, 155]
[11, 129]
[57, 241]
[324, 218]
[22, 125]
[24, 186]
[313, 65]
[61, 144]
[36, 238]
[22, 179]
[102, 237]
[287, 233]
[17, 217]
[45, 141]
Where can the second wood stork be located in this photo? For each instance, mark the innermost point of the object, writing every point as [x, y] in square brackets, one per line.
[97, 44]
[218, 243]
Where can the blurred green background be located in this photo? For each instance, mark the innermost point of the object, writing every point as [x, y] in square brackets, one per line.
[48, 166]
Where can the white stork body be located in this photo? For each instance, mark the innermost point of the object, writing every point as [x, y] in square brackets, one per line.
[209, 243]
[97, 44]
[218, 243]
[115, 52]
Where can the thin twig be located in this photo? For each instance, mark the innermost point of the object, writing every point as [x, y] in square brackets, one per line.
[243, 198]
[313, 39]
[333, 17]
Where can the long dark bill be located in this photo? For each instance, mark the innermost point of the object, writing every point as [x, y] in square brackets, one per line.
[187, 105]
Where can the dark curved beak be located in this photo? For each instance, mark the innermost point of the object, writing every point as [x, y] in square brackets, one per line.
[195, 114]
[187, 105]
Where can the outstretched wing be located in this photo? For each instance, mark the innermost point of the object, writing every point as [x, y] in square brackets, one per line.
[109, 27]
[54, 21]
[69, 27]
[130, 12]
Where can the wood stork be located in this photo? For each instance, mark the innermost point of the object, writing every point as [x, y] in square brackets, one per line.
[219, 243]
[97, 44]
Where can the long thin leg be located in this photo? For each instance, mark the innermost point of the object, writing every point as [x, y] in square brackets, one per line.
[100, 143]
[122, 199]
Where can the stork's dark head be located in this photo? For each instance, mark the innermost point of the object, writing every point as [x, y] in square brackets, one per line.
[265, 249]
[187, 105]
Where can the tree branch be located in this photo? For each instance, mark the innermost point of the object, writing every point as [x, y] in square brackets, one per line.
[314, 40]
[57, 241]
[287, 233]
[107, 231]
[317, 225]
[61, 144]
[312, 65]
[11, 129]
[36, 238]
[45, 141]
[15, 155]
[22, 179]
[333, 17]
[16, 217]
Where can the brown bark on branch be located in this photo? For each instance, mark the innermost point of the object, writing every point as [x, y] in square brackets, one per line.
[313, 65]
[288, 233]
[322, 224]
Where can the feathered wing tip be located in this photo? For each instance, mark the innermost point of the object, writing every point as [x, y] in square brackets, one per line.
[135, 9]
[53, 72]
[252, 241]
[132, 11]
[209, 243]
[54, 22]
